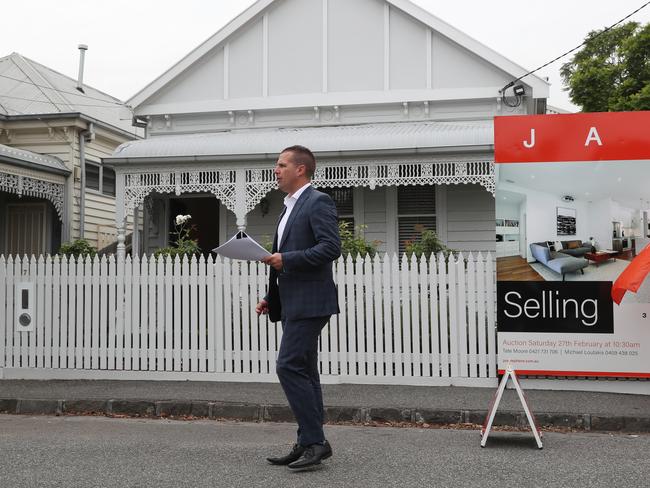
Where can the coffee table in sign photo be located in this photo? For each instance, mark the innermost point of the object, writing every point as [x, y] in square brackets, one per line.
[601, 256]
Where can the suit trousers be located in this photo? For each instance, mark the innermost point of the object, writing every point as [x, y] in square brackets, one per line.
[297, 369]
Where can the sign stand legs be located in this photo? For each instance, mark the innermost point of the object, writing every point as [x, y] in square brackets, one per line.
[487, 425]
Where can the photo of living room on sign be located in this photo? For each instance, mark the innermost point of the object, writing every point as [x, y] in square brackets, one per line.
[572, 221]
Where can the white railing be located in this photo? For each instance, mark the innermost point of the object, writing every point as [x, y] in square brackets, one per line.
[402, 321]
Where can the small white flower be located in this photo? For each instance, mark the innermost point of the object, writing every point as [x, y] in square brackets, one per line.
[181, 219]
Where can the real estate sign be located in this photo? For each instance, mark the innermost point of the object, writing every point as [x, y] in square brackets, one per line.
[573, 212]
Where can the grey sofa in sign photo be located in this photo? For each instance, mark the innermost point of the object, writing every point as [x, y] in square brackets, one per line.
[577, 249]
[559, 262]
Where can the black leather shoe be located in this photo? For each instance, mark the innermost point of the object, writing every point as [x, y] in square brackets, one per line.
[294, 455]
[312, 456]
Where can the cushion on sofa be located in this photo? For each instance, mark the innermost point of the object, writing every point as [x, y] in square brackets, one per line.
[571, 244]
[540, 252]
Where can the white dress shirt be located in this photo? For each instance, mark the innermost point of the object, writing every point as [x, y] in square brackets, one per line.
[289, 202]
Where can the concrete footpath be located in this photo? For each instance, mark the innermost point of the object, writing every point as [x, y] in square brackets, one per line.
[344, 403]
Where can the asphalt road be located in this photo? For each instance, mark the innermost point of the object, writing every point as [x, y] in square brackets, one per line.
[110, 452]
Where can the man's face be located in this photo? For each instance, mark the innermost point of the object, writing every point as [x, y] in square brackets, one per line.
[288, 174]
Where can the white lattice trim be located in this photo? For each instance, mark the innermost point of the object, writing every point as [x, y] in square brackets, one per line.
[219, 182]
[258, 182]
[33, 187]
[405, 173]
[375, 174]
[32, 173]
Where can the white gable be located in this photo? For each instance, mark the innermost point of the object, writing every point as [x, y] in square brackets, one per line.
[456, 67]
[295, 47]
[289, 53]
[356, 45]
[408, 51]
[201, 81]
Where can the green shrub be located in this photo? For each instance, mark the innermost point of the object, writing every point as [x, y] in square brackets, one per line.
[429, 243]
[79, 247]
[183, 245]
[353, 242]
[267, 243]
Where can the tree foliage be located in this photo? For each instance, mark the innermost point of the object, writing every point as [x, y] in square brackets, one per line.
[612, 71]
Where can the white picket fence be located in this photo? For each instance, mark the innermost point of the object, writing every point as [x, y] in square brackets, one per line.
[401, 322]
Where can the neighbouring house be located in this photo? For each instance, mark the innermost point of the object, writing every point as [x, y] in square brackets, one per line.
[54, 131]
[397, 105]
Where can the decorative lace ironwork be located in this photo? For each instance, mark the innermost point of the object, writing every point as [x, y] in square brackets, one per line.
[25, 185]
[221, 183]
[226, 184]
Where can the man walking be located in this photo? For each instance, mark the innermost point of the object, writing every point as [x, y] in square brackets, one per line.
[303, 296]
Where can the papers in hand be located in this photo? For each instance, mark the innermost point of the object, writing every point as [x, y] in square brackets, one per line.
[240, 246]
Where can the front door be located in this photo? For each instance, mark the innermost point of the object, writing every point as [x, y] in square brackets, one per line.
[26, 229]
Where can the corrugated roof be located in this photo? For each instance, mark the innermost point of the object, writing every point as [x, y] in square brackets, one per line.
[27, 87]
[367, 137]
[44, 162]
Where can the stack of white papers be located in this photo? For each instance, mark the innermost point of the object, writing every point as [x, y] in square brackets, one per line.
[240, 246]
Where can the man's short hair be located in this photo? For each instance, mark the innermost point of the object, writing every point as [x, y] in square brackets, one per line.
[302, 155]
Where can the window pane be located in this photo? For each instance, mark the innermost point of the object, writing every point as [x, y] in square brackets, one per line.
[108, 181]
[416, 200]
[92, 177]
[416, 208]
[411, 228]
[343, 197]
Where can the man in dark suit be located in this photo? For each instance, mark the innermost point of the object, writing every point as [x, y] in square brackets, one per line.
[302, 294]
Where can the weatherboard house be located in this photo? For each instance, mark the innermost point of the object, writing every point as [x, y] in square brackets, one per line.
[396, 104]
[54, 130]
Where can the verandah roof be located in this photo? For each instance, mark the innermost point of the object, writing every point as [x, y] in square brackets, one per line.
[408, 136]
[32, 160]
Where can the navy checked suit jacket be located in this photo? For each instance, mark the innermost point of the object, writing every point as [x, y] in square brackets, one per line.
[310, 243]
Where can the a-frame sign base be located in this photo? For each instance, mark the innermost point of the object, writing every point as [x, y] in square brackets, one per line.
[487, 425]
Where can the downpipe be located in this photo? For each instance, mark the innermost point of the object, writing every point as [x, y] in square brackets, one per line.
[84, 136]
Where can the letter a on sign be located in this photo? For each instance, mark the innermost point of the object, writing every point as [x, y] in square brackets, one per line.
[593, 136]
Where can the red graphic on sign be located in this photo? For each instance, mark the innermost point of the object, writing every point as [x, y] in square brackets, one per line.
[632, 277]
[603, 136]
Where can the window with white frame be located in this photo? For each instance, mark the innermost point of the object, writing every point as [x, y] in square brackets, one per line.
[416, 212]
[100, 178]
[344, 200]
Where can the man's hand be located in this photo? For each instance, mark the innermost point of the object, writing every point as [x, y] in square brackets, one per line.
[274, 260]
[262, 307]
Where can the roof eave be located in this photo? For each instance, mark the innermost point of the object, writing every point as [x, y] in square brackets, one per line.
[72, 115]
[218, 158]
[34, 166]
